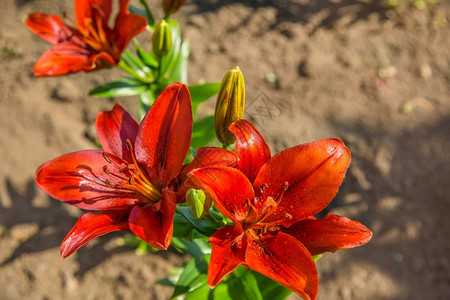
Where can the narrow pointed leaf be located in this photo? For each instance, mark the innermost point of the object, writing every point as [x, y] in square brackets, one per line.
[142, 12]
[196, 248]
[243, 285]
[146, 100]
[137, 65]
[149, 60]
[181, 227]
[179, 72]
[193, 276]
[203, 132]
[270, 290]
[202, 92]
[119, 88]
[203, 226]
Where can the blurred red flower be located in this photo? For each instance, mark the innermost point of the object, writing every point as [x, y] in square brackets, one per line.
[88, 44]
[271, 201]
[132, 180]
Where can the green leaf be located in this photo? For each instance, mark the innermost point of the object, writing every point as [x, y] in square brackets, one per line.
[145, 56]
[146, 99]
[138, 66]
[202, 293]
[181, 227]
[270, 290]
[179, 72]
[173, 278]
[202, 92]
[196, 248]
[145, 13]
[243, 285]
[203, 226]
[221, 292]
[193, 276]
[203, 132]
[122, 87]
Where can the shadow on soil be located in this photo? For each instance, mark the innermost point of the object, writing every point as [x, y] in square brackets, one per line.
[317, 13]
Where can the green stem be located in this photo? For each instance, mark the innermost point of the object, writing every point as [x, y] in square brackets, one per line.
[213, 220]
[225, 146]
[158, 76]
[149, 13]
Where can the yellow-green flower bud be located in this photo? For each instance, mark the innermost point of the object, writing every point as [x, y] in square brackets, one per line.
[199, 202]
[230, 105]
[162, 38]
[171, 6]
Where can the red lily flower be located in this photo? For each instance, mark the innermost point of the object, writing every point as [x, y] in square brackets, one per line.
[132, 179]
[271, 201]
[90, 44]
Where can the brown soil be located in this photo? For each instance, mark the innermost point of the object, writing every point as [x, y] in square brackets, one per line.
[379, 80]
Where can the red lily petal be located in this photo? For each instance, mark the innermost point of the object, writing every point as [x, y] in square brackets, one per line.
[48, 27]
[228, 252]
[206, 157]
[329, 234]
[114, 127]
[165, 134]
[285, 260]
[229, 188]
[92, 225]
[210, 156]
[313, 172]
[79, 179]
[85, 10]
[154, 224]
[127, 25]
[61, 59]
[251, 148]
[99, 61]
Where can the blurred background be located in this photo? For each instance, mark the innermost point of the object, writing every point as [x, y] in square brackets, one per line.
[373, 73]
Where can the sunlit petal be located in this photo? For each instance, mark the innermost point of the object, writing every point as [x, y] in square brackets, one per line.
[330, 233]
[285, 260]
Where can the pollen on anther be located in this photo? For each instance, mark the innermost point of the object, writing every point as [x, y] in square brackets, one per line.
[108, 183]
[106, 157]
[129, 145]
[105, 169]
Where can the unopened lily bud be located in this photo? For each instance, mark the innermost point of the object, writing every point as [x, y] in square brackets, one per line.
[230, 105]
[199, 202]
[171, 6]
[162, 38]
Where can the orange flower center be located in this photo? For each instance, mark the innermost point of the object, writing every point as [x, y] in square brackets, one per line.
[131, 178]
[95, 35]
[261, 209]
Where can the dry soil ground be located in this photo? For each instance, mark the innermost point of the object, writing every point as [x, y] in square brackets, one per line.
[378, 79]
